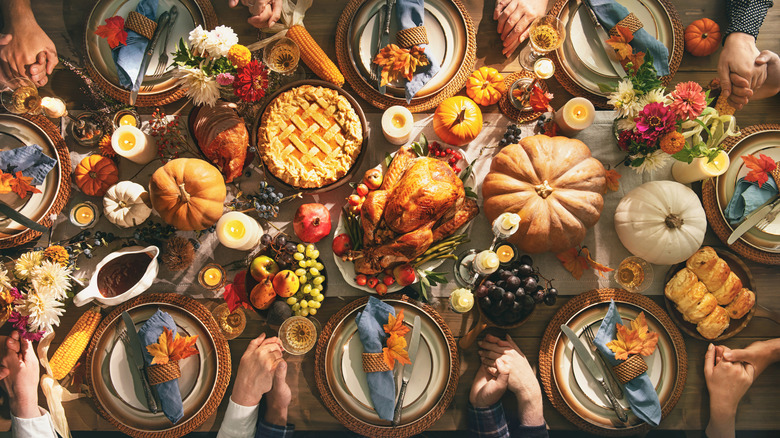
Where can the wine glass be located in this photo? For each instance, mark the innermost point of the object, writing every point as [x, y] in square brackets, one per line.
[634, 274]
[547, 34]
[21, 97]
[298, 335]
[282, 56]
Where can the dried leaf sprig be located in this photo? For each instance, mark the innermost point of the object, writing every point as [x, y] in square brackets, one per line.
[169, 348]
[398, 62]
[635, 340]
[396, 343]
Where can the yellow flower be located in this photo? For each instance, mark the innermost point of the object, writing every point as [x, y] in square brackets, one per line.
[26, 263]
[239, 55]
[672, 142]
[57, 254]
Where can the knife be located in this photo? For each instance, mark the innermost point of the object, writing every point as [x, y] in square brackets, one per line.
[21, 219]
[135, 356]
[414, 343]
[753, 218]
[384, 39]
[584, 354]
[603, 37]
[162, 24]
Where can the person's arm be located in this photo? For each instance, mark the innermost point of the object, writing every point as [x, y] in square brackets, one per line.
[39, 426]
[487, 421]
[746, 16]
[29, 52]
[760, 354]
[727, 383]
[274, 423]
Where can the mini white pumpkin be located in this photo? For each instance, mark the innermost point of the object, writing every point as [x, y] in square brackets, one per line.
[662, 222]
[126, 204]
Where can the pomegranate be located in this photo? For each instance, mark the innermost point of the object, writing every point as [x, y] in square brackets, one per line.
[341, 244]
[311, 222]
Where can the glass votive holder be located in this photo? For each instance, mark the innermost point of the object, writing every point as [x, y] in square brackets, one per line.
[84, 215]
[232, 323]
[634, 274]
[126, 117]
[86, 129]
[212, 276]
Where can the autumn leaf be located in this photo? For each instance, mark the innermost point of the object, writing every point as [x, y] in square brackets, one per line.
[620, 42]
[113, 31]
[395, 325]
[636, 59]
[396, 351]
[759, 168]
[573, 262]
[540, 101]
[170, 348]
[159, 351]
[5, 182]
[613, 177]
[598, 267]
[636, 340]
[235, 293]
[21, 185]
[398, 62]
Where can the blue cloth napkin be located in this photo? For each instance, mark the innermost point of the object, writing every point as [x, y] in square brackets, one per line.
[30, 160]
[748, 196]
[373, 336]
[411, 13]
[128, 58]
[610, 13]
[169, 394]
[640, 392]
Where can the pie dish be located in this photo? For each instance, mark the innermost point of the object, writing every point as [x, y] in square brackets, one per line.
[310, 136]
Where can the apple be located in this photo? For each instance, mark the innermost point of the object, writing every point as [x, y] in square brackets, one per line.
[263, 294]
[312, 222]
[381, 288]
[372, 282]
[388, 280]
[362, 190]
[286, 283]
[373, 178]
[405, 274]
[263, 267]
[341, 244]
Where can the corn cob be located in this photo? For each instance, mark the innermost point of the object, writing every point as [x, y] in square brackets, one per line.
[313, 55]
[64, 359]
[723, 107]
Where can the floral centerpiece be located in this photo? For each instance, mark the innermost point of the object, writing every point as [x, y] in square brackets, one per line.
[32, 294]
[213, 63]
[653, 125]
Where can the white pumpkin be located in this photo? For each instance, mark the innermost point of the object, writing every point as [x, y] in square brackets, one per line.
[662, 222]
[126, 204]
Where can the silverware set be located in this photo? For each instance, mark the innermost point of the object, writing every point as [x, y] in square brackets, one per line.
[613, 381]
[162, 60]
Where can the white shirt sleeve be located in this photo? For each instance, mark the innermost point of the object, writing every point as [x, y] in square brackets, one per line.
[38, 427]
[239, 421]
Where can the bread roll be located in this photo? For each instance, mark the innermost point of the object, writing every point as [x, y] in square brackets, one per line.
[742, 304]
[692, 298]
[714, 324]
[702, 261]
[680, 284]
[726, 293]
[717, 276]
[702, 309]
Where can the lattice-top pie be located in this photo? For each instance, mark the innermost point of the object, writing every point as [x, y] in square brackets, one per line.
[310, 136]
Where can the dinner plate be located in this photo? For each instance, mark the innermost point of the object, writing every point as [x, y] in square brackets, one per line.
[582, 393]
[16, 132]
[765, 142]
[446, 30]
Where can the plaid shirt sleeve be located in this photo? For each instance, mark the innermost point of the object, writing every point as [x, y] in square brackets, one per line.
[746, 15]
[491, 422]
[266, 430]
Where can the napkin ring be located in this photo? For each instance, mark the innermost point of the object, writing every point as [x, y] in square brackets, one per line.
[374, 363]
[162, 373]
[414, 36]
[630, 369]
[140, 24]
[630, 22]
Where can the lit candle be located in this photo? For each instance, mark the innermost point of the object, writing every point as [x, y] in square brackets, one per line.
[506, 224]
[461, 300]
[126, 117]
[576, 115]
[544, 68]
[238, 231]
[505, 253]
[84, 215]
[486, 262]
[131, 143]
[53, 107]
[700, 168]
[211, 276]
[397, 124]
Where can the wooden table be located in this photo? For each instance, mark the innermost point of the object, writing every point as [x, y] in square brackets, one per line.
[64, 22]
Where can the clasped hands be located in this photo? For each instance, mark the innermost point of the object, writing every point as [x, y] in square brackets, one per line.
[265, 13]
[745, 73]
[25, 49]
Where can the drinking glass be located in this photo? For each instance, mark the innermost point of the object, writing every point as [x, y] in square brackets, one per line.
[21, 97]
[282, 56]
[634, 274]
[547, 34]
[298, 335]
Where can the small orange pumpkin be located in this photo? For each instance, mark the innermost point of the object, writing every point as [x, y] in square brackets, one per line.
[95, 174]
[702, 37]
[457, 120]
[485, 86]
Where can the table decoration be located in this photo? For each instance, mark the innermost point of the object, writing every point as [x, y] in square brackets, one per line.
[76, 341]
[461, 300]
[702, 37]
[86, 129]
[575, 115]
[507, 102]
[486, 85]
[178, 254]
[565, 383]
[84, 215]
[397, 125]
[135, 145]
[700, 168]
[457, 120]
[238, 231]
[126, 117]
[120, 276]
[126, 204]
[634, 274]
[95, 174]
[212, 276]
[341, 379]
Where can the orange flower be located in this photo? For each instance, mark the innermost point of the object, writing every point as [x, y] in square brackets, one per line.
[106, 149]
[672, 142]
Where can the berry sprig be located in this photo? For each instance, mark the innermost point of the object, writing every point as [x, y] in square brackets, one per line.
[171, 138]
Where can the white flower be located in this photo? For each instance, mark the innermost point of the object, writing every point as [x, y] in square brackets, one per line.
[624, 100]
[654, 161]
[198, 38]
[202, 89]
[51, 278]
[43, 309]
[656, 95]
[26, 263]
[5, 282]
[220, 40]
[626, 124]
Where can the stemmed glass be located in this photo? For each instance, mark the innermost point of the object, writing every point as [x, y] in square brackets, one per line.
[282, 57]
[634, 274]
[547, 34]
[21, 97]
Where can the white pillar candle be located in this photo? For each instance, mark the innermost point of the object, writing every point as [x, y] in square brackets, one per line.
[700, 168]
[397, 124]
[576, 115]
[238, 231]
[131, 143]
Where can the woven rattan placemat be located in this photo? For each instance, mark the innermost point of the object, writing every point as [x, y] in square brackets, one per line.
[505, 103]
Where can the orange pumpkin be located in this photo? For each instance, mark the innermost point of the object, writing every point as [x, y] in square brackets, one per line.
[485, 86]
[188, 193]
[702, 37]
[457, 120]
[95, 174]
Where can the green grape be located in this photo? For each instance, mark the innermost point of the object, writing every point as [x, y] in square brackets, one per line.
[318, 287]
[303, 279]
[312, 311]
[304, 304]
[292, 300]
[307, 288]
[315, 254]
[319, 266]
[311, 247]
[315, 304]
[298, 256]
[297, 313]
[300, 271]
[300, 248]
[314, 272]
[302, 263]
[295, 307]
[319, 297]
[305, 312]
[318, 280]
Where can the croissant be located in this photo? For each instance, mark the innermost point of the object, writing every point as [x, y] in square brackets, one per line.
[714, 324]
[222, 136]
[742, 304]
[726, 293]
[680, 284]
[712, 270]
[702, 309]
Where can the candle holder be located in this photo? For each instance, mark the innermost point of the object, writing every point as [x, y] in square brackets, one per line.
[132, 143]
[126, 117]
[461, 300]
[212, 277]
[84, 215]
[574, 116]
[521, 90]
[397, 124]
[86, 129]
[700, 168]
[473, 263]
[232, 324]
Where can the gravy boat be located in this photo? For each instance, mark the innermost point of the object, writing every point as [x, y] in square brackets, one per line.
[92, 292]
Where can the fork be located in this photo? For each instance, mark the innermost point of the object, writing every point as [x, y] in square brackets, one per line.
[612, 380]
[162, 60]
[768, 219]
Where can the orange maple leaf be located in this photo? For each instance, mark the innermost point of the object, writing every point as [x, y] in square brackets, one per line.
[620, 42]
[395, 325]
[170, 348]
[21, 185]
[113, 31]
[398, 62]
[5, 182]
[636, 60]
[396, 351]
[598, 267]
[540, 101]
[759, 168]
[613, 177]
[636, 340]
[573, 262]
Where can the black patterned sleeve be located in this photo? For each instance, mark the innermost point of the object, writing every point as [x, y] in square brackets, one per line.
[746, 15]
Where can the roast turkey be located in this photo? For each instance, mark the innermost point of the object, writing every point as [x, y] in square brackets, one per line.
[222, 136]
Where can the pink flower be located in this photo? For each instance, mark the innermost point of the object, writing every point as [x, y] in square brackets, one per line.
[688, 100]
[654, 120]
[225, 79]
[32, 336]
[18, 321]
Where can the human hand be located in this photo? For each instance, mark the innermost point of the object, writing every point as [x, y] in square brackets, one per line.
[505, 357]
[256, 369]
[487, 389]
[20, 374]
[265, 13]
[29, 52]
[278, 398]
[514, 20]
[772, 84]
[727, 382]
[739, 74]
[760, 354]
